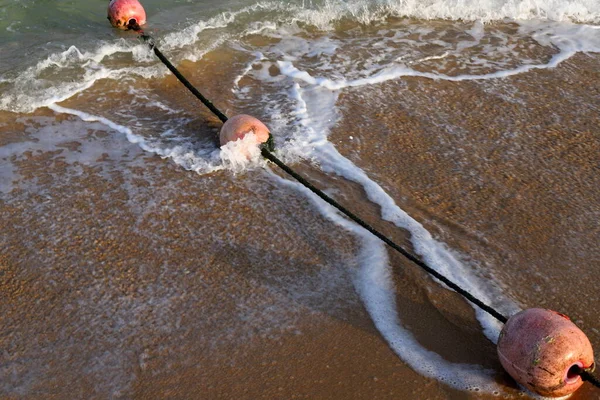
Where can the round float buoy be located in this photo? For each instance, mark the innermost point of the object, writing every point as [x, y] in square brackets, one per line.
[124, 14]
[543, 350]
[239, 126]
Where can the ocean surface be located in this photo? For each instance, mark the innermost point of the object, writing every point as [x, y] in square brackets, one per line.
[467, 129]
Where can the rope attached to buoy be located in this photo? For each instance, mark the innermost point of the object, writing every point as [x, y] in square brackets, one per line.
[266, 152]
[178, 74]
[494, 313]
[587, 375]
[151, 42]
[271, 157]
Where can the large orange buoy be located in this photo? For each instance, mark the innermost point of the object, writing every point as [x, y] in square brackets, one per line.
[542, 350]
[124, 14]
[239, 126]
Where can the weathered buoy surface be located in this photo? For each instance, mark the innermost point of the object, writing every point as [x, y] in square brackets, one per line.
[237, 127]
[541, 349]
[124, 13]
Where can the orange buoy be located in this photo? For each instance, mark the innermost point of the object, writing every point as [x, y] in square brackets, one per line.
[239, 126]
[541, 349]
[123, 14]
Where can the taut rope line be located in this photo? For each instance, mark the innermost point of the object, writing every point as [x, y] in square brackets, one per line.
[179, 76]
[271, 157]
[585, 373]
[494, 313]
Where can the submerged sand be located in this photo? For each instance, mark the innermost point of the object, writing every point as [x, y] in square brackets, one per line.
[154, 282]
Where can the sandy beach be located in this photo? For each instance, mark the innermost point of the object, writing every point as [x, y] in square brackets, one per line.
[136, 264]
[172, 286]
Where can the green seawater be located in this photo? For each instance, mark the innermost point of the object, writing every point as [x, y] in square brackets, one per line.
[31, 30]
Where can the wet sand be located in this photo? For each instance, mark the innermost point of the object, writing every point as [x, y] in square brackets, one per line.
[512, 184]
[154, 282]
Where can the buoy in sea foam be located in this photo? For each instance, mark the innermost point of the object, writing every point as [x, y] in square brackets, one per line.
[239, 126]
[541, 349]
[124, 14]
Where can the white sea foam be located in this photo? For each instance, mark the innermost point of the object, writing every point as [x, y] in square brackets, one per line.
[373, 283]
[182, 154]
[63, 75]
[434, 253]
[72, 142]
[325, 14]
[235, 156]
[312, 74]
[494, 10]
[35, 87]
[313, 113]
[239, 155]
[569, 39]
[317, 121]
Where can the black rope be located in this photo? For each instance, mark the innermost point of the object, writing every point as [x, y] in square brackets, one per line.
[266, 151]
[270, 144]
[188, 85]
[269, 156]
[587, 376]
[178, 74]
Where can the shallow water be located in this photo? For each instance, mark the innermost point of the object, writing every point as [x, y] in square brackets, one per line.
[468, 132]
